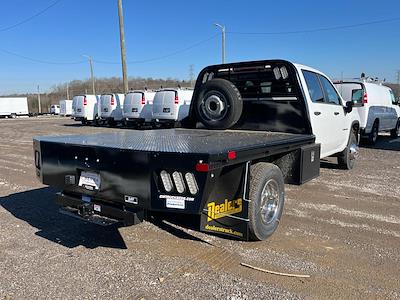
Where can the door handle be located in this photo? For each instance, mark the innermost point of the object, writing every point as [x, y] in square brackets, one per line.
[317, 113]
[336, 113]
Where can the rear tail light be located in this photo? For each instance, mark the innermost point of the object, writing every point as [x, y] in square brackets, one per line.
[176, 98]
[192, 184]
[112, 100]
[178, 180]
[365, 98]
[143, 99]
[231, 155]
[166, 180]
[84, 101]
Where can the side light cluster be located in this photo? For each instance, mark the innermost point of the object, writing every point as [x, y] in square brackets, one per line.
[180, 183]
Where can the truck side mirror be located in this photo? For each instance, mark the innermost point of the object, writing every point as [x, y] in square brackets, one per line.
[349, 107]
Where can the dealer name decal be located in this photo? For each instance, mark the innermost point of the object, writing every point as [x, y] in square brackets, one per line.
[229, 207]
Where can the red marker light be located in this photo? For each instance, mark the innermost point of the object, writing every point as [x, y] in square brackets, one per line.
[176, 98]
[201, 167]
[143, 99]
[365, 99]
[84, 101]
[112, 100]
[231, 155]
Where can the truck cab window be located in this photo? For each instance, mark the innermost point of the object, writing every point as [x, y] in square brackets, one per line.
[330, 92]
[313, 86]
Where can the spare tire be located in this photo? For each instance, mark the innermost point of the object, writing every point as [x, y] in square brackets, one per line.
[218, 104]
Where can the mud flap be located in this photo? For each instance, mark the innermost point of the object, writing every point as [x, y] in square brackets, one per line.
[226, 210]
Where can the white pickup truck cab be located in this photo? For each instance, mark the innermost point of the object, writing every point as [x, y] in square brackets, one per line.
[334, 123]
[376, 106]
[287, 98]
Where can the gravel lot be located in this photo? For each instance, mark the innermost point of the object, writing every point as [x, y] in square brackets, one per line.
[342, 228]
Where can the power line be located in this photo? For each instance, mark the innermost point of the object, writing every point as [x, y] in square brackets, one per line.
[108, 62]
[160, 57]
[30, 18]
[39, 60]
[317, 29]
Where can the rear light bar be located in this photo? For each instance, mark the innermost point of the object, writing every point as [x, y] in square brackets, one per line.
[365, 98]
[178, 181]
[84, 101]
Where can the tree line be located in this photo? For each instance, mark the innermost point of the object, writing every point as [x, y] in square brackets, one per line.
[111, 85]
[102, 85]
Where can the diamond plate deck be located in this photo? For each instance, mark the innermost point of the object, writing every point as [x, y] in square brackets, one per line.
[180, 140]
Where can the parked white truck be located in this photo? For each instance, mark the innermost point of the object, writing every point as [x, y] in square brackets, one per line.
[376, 105]
[111, 108]
[84, 108]
[170, 106]
[12, 107]
[65, 108]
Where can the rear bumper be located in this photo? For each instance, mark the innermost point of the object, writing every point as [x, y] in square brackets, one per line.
[98, 212]
[134, 119]
[79, 119]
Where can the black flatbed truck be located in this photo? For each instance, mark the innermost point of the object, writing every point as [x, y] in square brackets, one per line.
[233, 178]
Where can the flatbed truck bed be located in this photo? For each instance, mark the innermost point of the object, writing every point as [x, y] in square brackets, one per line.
[116, 177]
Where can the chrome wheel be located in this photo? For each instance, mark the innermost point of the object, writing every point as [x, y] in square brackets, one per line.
[353, 152]
[270, 198]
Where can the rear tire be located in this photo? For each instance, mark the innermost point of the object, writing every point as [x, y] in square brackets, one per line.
[218, 104]
[84, 122]
[395, 132]
[267, 197]
[347, 158]
[373, 136]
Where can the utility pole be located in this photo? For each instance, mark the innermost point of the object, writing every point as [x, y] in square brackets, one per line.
[223, 40]
[191, 74]
[398, 78]
[91, 72]
[122, 45]
[38, 98]
[67, 90]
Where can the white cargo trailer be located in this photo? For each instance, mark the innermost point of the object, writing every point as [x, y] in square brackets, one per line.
[13, 107]
[65, 108]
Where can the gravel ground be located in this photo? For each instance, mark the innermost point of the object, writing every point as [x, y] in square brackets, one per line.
[342, 228]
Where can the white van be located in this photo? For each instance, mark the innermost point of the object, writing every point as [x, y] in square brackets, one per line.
[376, 106]
[171, 105]
[111, 108]
[83, 107]
[55, 109]
[138, 107]
[65, 108]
